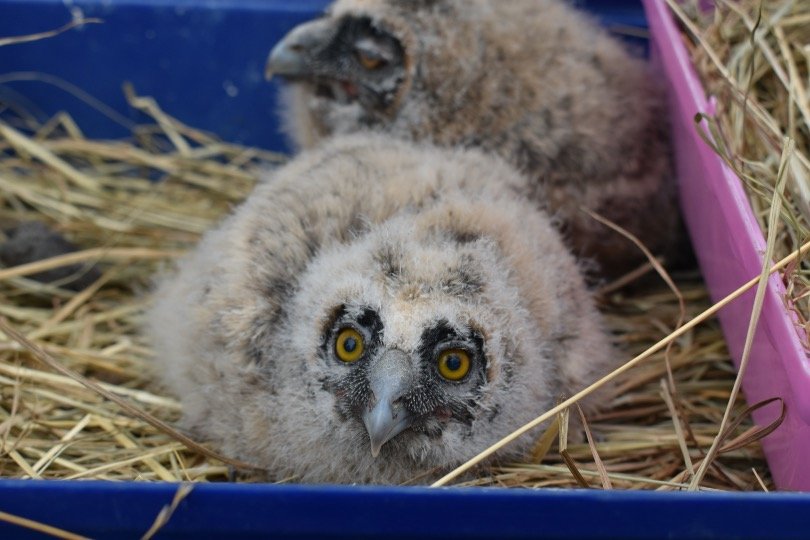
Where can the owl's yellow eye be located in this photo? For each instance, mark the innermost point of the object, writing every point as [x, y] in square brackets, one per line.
[454, 364]
[369, 62]
[349, 345]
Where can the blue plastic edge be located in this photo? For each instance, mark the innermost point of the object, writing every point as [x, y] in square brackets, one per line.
[202, 60]
[119, 510]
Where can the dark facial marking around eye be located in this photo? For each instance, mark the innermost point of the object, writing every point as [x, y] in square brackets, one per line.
[441, 336]
[370, 319]
[359, 41]
[366, 320]
[452, 374]
[361, 62]
[351, 387]
[437, 334]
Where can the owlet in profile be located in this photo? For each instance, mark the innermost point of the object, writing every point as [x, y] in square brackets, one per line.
[534, 81]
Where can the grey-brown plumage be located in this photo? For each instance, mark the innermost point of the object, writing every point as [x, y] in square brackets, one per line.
[318, 332]
[534, 81]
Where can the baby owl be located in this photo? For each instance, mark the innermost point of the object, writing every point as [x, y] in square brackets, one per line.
[534, 81]
[374, 312]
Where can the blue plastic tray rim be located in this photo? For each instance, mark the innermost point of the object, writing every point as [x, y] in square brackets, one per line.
[226, 510]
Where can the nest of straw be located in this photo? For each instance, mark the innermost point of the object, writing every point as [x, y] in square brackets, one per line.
[134, 205]
[754, 57]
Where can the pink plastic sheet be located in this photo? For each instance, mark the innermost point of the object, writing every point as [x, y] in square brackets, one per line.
[729, 245]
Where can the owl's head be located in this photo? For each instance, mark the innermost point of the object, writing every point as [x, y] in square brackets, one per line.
[420, 346]
[371, 63]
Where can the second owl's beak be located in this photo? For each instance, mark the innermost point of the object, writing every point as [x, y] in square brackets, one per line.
[390, 378]
[291, 57]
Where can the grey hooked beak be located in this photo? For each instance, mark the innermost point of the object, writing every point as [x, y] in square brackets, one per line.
[292, 56]
[391, 376]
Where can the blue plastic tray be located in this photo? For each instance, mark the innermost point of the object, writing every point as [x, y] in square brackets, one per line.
[203, 62]
[126, 510]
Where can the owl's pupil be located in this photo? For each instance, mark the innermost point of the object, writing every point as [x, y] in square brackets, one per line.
[453, 362]
[350, 344]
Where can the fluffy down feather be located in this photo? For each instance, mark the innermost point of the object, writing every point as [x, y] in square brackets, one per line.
[534, 81]
[420, 251]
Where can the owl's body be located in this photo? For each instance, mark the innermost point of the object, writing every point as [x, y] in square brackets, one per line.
[376, 312]
[534, 81]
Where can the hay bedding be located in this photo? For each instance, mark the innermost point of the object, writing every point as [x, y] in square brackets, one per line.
[754, 57]
[133, 206]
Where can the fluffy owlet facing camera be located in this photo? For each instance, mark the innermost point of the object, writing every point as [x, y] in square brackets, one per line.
[375, 312]
[533, 81]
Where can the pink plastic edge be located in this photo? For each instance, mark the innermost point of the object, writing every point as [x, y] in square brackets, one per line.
[729, 245]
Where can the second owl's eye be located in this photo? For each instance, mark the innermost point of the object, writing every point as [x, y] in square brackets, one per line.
[368, 61]
[349, 345]
[454, 364]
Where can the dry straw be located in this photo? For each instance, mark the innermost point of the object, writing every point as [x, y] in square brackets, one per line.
[753, 56]
[133, 206]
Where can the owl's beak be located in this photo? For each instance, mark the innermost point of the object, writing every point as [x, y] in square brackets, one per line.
[292, 56]
[390, 378]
